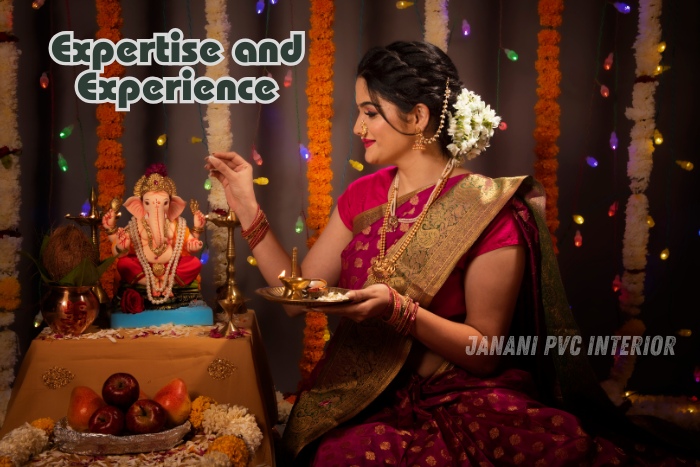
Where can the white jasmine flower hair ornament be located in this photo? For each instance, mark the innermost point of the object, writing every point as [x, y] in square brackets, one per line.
[471, 126]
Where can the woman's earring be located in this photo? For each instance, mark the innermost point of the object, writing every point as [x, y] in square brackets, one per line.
[363, 129]
[419, 144]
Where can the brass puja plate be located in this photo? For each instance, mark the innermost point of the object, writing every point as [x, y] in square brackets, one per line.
[276, 294]
[95, 444]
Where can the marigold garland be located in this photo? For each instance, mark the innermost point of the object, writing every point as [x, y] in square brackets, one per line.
[110, 162]
[641, 148]
[319, 90]
[10, 201]
[547, 109]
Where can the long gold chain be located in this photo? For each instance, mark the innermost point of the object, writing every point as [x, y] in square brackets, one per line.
[383, 268]
[160, 248]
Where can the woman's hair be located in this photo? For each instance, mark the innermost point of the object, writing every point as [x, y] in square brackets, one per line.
[410, 73]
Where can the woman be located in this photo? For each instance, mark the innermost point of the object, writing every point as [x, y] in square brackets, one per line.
[437, 258]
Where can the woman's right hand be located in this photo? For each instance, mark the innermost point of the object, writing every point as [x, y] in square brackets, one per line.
[236, 175]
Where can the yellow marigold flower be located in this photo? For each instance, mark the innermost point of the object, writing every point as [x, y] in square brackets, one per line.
[199, 405]
[6, 462]
[234, 447]
[45, 424]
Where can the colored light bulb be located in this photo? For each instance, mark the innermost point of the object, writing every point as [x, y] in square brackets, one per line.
[195, 140]
[608, 62]
[578, 239]
[578, 218]
[402, 5]
[252, 261]
[685, 165]
[326, 335]
[257, 158]
[511, 54]
[207, 184]
[44, 81]
[62, 162]
[696, 374]
[38, 319]
[273, 2]
[685, 332]
[162, 139]
[661, 47]
[288, 78]
[658, 137]
[260, 6]
[664, 254]
[466, 28]
[304, 152]
[617, 283]
[590, 160]
[503, 126]
[613, 209]
[261, 181]
[36, 4]
[205, 256]
[613, 141]
[299, 226]
[650, 222]
[604, 91]
[622, 7]
[66, 132]
[85, 208]
[356, 165]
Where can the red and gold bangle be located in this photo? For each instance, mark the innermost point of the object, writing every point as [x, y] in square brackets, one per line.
[396, 312]
[259, 216]
[259, 235]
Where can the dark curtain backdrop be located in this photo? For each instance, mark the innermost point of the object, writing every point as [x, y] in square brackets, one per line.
[591, 29]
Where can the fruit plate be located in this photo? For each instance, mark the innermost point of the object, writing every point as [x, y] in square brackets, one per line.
[92, 444]
[276, 294]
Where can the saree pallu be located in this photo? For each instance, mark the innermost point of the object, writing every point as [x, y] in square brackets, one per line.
[365, 407]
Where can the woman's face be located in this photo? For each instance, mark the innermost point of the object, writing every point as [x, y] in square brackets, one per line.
[383, 144]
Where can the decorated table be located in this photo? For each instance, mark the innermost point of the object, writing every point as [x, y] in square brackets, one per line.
[229, 370]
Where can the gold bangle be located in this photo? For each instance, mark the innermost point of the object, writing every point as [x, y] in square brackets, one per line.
[197, 229]
[111, 231]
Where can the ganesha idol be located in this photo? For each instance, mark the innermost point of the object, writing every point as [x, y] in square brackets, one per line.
[159, 274]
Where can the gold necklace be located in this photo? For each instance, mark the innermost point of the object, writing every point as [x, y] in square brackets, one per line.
[383, 268]
[160, 248]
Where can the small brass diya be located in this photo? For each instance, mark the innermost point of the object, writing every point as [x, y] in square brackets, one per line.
[295, 287]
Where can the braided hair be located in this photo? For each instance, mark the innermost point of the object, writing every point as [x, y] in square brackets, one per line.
[411, 73]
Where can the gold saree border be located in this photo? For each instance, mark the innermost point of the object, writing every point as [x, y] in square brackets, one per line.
[367, 356]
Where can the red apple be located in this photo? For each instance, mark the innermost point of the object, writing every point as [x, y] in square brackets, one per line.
[175, 400]
[120, 390]
[145, 416]
[83, 403]
[107, 420]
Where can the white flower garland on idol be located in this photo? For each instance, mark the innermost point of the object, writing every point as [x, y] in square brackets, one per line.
[641, 148]
[436, 16]
[219, 138]
[9, 203]
[151, 283]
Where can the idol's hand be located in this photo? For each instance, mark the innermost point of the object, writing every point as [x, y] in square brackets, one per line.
[236, 175]
[194, 245]
[122, 243]
[373, 301]
[109, 221]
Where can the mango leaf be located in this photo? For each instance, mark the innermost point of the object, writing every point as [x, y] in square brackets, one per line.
[42, 270]
[86, 273]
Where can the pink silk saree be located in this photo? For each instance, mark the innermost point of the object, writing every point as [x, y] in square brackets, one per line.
[367, 407]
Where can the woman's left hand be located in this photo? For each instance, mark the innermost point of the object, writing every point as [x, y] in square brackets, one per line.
[370, 302]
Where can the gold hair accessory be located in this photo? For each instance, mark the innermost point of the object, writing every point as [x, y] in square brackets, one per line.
[421, 141]
[364, 130]
[154, 182]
